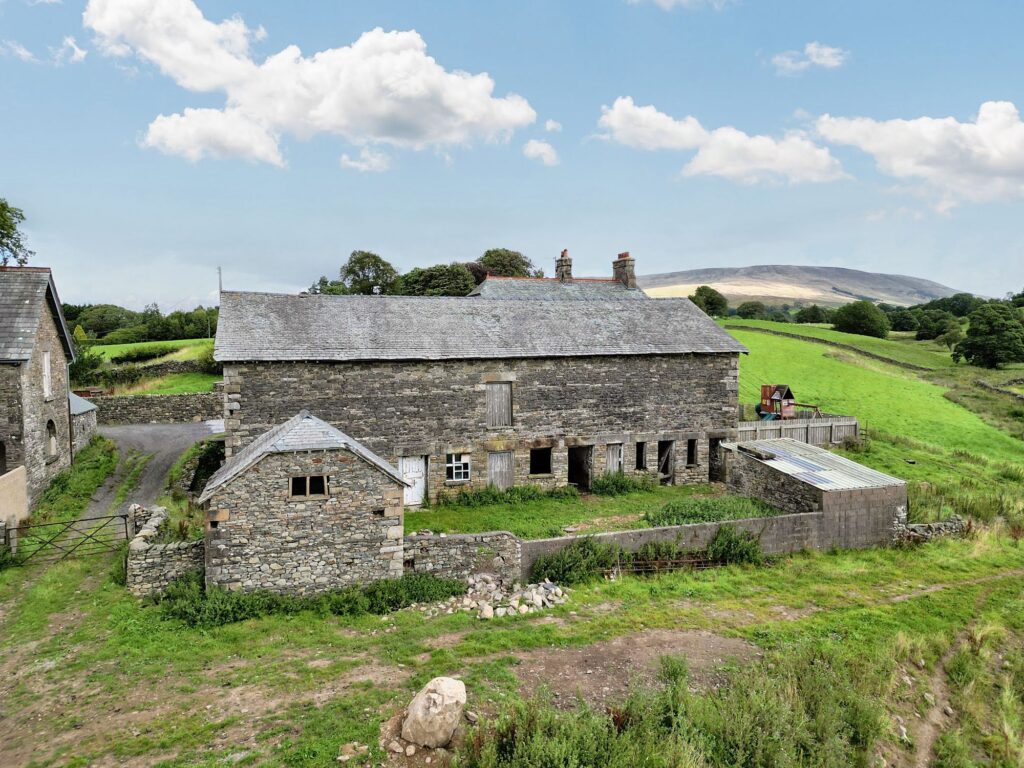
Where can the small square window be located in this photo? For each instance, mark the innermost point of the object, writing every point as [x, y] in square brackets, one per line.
[317, 485]
[457, 466]
[540, 461]
[298, 486]
[308, 485]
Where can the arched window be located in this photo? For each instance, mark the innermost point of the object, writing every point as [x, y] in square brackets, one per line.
[3, 458]
[51, 437]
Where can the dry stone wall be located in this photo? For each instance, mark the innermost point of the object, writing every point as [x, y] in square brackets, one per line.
[460, 555]
[159, 409]
[83, 427]
[151, 566]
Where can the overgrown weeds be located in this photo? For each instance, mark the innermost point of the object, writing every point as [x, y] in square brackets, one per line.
[709, 510]
[518, 494]
[187, 600]
[619, 484]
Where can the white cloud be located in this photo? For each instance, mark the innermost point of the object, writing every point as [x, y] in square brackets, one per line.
[974, 161]
[368, 160]
[382, 89]
[668, 5]
[17, 50]
[552, 126]
[540, 150]
[726, 152]
[69, 52]
[814, 54]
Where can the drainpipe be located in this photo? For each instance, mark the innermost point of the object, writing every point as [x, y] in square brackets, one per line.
[71, 420]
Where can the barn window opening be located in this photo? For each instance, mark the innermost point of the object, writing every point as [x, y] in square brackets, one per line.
[51, 438]
[3, 458]
[540, 461]
[666, 460]
[499, 404]
[613, 464]
[305, 486]
[691, 453]
[456, 466]
[641, 457]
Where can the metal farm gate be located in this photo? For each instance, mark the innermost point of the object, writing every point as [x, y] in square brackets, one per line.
[52, 542]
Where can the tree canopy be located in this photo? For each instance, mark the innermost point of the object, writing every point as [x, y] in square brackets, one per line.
[439, 280]
[505, 262]
[710, 301]
[12, 242]
[994, 338]
[811, 314]
[862, 317]
[367, 273]
[752, 310]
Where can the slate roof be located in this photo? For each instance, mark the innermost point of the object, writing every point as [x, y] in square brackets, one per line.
[23, 293]
[817, 466]
[553, 289]
[302, 432]
[265, 326]
[79, 405]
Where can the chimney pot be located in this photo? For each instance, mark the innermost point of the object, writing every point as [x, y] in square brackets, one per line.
[563, 267]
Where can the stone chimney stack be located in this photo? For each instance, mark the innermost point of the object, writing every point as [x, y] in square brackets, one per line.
[623, 270]
[563, 267]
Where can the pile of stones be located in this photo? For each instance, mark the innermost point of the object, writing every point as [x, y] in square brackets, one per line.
[492, 599]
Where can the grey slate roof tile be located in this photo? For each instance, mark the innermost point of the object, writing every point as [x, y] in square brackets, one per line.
[553, 289]
[24, 291]
[79, 405]
[265, 326]
[302, 432]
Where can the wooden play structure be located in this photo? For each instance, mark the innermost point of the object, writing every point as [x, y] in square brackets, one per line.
[779, 403]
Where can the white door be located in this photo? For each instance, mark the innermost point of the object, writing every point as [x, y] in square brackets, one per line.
[414, 470]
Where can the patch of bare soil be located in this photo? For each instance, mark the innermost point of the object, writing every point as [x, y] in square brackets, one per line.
[605, 523]
[603, 672]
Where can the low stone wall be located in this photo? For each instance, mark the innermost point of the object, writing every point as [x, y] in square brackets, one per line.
[830, 343]
[1001, 390]
[954, 526]
[780, 535]
[170, 366]
[160, 409]
[460, 555]
[152, 566]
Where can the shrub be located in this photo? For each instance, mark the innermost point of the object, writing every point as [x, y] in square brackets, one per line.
[518, 494]
[709, 510]
[862, 317]
[730, 546]
[143, 353]
[582, 560]
[207, 364]
[119, 568]
[186, 599]
[619, 483]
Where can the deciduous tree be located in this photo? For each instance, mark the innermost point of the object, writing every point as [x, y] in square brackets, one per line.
[711, 301]
[995, 337]
[12, 242]
[862, 317]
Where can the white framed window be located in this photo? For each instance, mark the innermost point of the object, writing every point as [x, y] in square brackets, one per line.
[456, 466]
[307, 486]
[499, 404]
[47, 376]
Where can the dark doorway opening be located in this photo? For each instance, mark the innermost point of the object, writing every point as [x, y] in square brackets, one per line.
[666, 461]
[716, 460]
[581, 466]
[3, 458]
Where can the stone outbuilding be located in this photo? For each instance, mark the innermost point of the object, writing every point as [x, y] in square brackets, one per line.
[301, 509]
[83, 422]
[860, 507]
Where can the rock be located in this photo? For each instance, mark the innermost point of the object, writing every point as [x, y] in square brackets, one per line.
[904, 736]
[523, 609]
[435, 712]
[948, 710]
[410, 751]
[471, 717]
[501, 612]
[486, 612]
[395, 747]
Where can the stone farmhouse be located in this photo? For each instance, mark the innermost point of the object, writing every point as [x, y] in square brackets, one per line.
[35, 351]
[540, 381]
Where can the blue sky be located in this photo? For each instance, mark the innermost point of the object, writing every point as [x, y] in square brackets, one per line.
[150, 141]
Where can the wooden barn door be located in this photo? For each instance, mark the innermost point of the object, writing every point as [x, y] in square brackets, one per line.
[499, 469]
[414, 470]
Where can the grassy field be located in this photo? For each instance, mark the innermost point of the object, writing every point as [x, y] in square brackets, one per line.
[902, 348]
[181, 349]
[171, 384]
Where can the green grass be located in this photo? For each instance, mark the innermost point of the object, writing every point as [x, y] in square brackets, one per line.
[547, 517]
[927, 354]
[181, 349]
[70, 492]
[172, 384]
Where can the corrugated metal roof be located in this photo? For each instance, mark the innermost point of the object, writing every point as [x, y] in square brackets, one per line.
[79, 405]
[302, 432]
[553, 289]
[24, 291]
[817, 466]
[266, 326]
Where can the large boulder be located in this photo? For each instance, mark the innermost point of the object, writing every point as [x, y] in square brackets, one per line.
[435, 713]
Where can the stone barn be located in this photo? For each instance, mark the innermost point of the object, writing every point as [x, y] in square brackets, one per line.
[859, 506]
[303, 508]
[544, 382]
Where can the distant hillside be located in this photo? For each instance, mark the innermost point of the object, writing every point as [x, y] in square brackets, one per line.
[781, 284]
